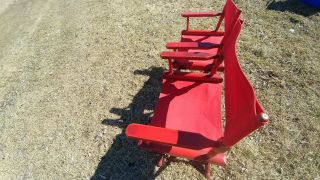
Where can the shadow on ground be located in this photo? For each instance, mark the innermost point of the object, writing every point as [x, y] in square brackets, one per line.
[293, 6]
[124, 160]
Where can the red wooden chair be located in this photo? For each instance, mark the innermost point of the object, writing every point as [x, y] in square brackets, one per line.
[211, 43]
[187, 120]
[216, 31]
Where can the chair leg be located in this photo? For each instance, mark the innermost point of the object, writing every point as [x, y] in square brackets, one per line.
[207, 169]
[162, 161]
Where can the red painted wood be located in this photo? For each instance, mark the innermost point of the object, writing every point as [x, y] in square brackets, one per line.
[193, 45]
[196, 77]
[205, 66]
[194, 65]
[199, 65]
[200, 14]
[202, 33]
[230, 14]
[169, 136]
[186, 55]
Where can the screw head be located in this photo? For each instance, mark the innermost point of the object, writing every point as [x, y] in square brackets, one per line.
[263, 117]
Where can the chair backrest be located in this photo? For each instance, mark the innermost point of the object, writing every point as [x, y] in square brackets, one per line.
[229, 9]
[231, 16]
[231, 13]
[244, 114]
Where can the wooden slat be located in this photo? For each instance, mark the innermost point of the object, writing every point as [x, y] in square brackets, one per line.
[169, 136]
[186, 55]
[200, 14]
[197, 77]
[192, 45]
[202, 33]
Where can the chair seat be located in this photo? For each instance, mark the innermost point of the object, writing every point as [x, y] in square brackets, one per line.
[191, 107]
[187, 122]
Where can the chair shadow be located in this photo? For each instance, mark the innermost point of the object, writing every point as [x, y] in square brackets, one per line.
[294, 6]
[124, 160]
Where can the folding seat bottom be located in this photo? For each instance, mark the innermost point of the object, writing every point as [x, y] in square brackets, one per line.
[192, 107]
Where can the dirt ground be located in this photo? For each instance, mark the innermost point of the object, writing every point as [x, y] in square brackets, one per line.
[74, 74]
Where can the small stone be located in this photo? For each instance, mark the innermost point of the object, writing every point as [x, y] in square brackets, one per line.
[291, 30]
[282, 83]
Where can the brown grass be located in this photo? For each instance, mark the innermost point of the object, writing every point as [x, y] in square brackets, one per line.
[75, 73]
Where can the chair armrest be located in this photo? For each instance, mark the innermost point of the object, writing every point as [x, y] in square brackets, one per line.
[194, 77]
[202, 33]
[191, 45]
[200, 14]
[182, 55]
[169, 136]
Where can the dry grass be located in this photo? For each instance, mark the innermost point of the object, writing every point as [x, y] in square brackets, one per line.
[75, 73]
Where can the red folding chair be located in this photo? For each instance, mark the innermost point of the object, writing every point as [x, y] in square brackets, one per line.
[187, 120]
[216, 31]
[211, 44]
